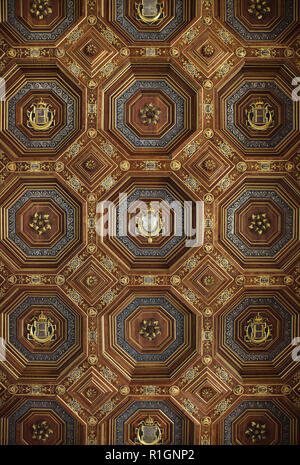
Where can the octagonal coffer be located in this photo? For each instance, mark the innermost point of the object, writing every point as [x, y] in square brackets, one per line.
[150, 109]
[150, 335]
[257, 422]
[40, 422]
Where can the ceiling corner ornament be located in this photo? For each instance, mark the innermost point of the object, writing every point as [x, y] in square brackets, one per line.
[258, 331]
[149, 225]
[41, 431]
[259, 8]
[41, 330]
[260, 116]
[41, 117]
[150, 114]
[40, 223]
[40, 9]
[149, 11]
[148, 432]
[150, 329]
[259, 223]
[256, 432]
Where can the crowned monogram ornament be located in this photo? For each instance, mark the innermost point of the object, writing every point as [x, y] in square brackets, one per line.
[40, 116]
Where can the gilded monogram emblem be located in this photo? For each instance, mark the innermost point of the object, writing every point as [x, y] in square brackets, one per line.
[149, 11]
[41, 431]
[40, 116]
[259, 223]
[41, 330]
[148, 432]
[150, 114]
[256, 431]
[149, 225]
[259, 8]
[258, 330]
[260, 116]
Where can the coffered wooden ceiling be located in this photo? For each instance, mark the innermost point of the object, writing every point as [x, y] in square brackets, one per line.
[119, 340]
